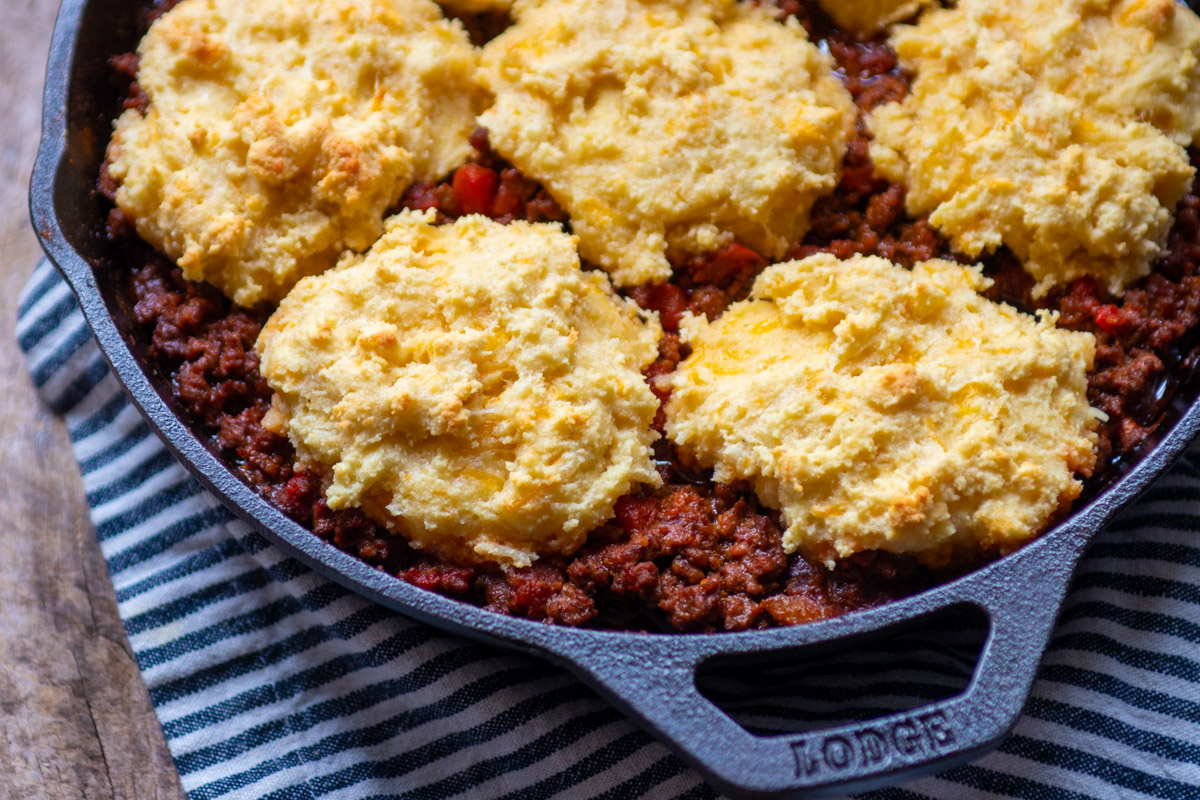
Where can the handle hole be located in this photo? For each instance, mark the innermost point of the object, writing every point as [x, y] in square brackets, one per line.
[900, 668]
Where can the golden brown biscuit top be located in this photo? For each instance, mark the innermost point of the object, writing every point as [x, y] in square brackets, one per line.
[279, 132]
[883, 409]
[667, 126]
[1054, 128]
[467, 385]
[866, 17]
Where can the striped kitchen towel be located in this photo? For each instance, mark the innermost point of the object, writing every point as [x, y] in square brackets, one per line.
[272, 682]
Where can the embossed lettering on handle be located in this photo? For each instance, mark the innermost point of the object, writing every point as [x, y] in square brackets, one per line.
[910, 739]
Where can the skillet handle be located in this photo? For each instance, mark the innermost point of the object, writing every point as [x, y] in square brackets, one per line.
[653, 680]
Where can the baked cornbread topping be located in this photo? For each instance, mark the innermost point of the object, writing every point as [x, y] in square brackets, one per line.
[468, 386]
[278, 133]
[887, 409]
[1054, 128]
[667, 127]
[867, 17]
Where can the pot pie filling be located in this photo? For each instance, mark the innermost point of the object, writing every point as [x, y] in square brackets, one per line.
[373, 386]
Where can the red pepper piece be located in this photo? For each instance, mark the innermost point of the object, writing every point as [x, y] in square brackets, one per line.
[475, 189]
[1109, 318]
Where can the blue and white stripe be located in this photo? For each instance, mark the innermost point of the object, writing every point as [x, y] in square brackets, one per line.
[271, 682]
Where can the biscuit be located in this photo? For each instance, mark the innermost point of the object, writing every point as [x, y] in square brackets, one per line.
[867, 17]
[882, 409]
[1055, 127]
[667, 127]
[468, 386]
[278, 133]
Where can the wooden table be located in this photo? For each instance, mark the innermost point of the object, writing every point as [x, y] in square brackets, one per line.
[75, 719]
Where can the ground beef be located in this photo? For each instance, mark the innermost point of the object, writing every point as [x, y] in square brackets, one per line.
[1146, 340]
[707, 558]
[692, 555]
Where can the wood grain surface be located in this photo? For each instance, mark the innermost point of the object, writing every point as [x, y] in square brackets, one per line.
[75, 719]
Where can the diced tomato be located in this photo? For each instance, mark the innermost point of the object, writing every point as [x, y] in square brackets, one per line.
[1109, 318]
[670, 302]
[475, 188]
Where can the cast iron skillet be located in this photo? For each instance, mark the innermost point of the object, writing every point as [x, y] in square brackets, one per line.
[651, 677]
